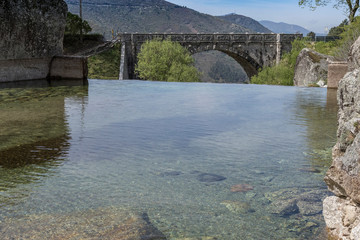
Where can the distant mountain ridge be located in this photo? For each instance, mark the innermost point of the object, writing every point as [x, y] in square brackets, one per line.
[246, 22]
[149, 16]
[284, 27]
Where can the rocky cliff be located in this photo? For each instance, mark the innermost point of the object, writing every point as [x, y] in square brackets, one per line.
[342, 211]
[31, 28]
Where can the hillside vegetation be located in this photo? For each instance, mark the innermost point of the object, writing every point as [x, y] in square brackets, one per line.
[245, 21]
[149, 16]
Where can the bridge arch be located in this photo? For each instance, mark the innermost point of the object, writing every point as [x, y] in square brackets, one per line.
[250, 66]
[251, 51]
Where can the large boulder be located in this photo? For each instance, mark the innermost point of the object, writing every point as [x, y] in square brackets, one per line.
[342, 212]
[31, 28]
[311, 67]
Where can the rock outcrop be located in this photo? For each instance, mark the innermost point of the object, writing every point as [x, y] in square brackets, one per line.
[311, 67]
[342, 212]
[31, 29]
[31, 37]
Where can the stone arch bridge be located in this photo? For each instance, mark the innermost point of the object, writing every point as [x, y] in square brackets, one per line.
[251, 51]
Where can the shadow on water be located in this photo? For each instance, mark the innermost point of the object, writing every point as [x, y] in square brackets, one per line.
[45, 151]
[44, 83]
[34, 135]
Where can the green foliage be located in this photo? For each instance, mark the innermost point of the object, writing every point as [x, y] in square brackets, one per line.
[278, 75]
[166, 61]
[350, 6]
[327, 48]
[348, 37]
[73, 24]
[283, 74]
[336, 31]
[105, 65]
[73, 45]
[311, 35]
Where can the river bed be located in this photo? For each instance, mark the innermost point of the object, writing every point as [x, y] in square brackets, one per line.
[202, 161]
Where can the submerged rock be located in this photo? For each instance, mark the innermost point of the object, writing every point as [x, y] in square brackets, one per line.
[198, 238]
[284, 207]
[291, 201]
[237, 206]
[241, 187]
[109, 223]
[170, 174]
[209, 177]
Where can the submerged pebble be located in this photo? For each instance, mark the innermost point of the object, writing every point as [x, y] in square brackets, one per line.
[241, 187]
[209, 177]
[170, 174]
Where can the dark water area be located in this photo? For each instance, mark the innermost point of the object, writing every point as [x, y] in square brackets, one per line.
[218, 161]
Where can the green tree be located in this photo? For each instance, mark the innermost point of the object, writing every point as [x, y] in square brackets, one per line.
[73, 24]
[350, 6]
[166, 61]
[311, 35]
[347, 38]
[336, 31]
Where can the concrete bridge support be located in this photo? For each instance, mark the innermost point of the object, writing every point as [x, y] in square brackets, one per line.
[251, 51]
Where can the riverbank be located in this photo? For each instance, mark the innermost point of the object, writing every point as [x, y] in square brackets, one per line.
[342, 211]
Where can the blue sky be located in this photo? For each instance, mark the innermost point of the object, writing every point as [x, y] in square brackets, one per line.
[274, 10]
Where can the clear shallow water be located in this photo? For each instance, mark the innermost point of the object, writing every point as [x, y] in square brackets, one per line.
[142, 146]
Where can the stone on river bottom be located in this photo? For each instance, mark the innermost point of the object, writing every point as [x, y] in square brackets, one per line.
[209, 177]
[241, 187]
[109, 223]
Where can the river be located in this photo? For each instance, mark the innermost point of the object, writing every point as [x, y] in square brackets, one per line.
[203, 161]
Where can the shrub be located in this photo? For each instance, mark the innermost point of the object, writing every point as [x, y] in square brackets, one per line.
[348, 37]
[166, 61]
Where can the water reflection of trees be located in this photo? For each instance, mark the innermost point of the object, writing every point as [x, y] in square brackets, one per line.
[34, 136]
[320, 118]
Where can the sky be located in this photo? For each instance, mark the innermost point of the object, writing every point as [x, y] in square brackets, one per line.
[288, 11]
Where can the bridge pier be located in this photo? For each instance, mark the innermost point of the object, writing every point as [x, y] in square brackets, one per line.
[278, 49]
[251, 51]
[123, 72]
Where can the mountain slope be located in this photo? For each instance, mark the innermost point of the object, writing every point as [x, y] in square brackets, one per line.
[284, 27]
[246, 22]
[149, 16]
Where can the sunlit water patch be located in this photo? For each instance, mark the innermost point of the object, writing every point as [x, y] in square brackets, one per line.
[190, 160]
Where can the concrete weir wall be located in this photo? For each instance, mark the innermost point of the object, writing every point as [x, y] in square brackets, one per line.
[336, 71]
[31, 42]
[57, 67]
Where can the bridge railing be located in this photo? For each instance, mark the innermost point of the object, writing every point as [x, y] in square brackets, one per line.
[207, 37]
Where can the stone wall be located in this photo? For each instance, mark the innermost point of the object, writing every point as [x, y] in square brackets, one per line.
[336, 71]
[342, 211]
[31, 28]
